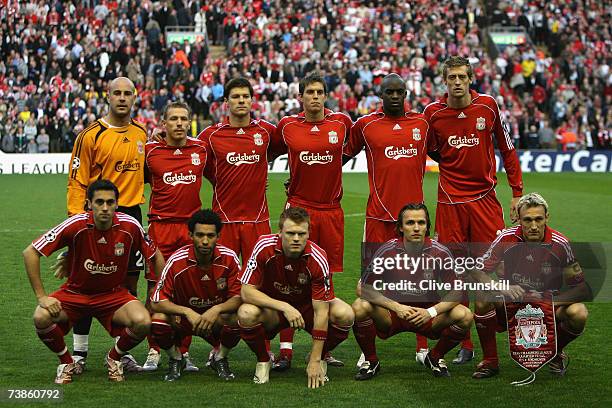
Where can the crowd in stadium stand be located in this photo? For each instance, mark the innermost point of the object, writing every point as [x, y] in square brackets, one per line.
[57, 56]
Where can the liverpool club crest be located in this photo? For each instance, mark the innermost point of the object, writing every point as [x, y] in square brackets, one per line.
[481, 124]
[221, 284]
[257, 139]
[416, 134]
[119, 249]
[333, 137]
[530, 328]
[195, 159]
[302, 278]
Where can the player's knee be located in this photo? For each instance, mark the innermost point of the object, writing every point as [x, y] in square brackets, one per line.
[462, 316]
[42, 318]
[577, 313]
[481, 307]
[361, 308]
[341, 313]
[141, 323]
[249, 315]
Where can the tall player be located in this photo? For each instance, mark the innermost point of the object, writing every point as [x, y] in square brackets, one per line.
[384, 313]
[112, 148]
[313, 141]
[395, 144]
[287, 283]
[100, 242]
[515, 256]
[238, 169]
[174, 168]
[199, 287]
[466, 126]
[239, 150]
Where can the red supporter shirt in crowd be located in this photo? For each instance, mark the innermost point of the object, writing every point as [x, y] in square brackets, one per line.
[238, 169]
[295, 281]
[315, 157]
[396, 151]
[434, 263]
[184, 283]
[175, 175]
[534, 266]
[97, 260]
[464, 139]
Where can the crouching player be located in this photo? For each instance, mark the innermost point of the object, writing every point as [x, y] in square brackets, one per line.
[99, 245]
[287, 283]
[535, 259]
[198, 293]
[385, 313]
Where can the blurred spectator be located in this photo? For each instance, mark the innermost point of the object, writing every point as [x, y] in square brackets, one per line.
[43, 141]
[57, 58]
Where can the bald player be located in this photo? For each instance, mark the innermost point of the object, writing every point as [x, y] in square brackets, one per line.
[110, 148]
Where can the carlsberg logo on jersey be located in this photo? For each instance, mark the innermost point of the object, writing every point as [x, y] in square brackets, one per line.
[180, 178]
[316, 158]
[463, 141]
[242, 158]
[397, 153]
[102, 269]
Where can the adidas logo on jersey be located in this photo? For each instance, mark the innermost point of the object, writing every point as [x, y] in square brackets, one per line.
[461, 116]
[178, 152]
[125, 139]
[102, 241]
[397, 127]
[240, 132]
[314, 129]
[205, 278]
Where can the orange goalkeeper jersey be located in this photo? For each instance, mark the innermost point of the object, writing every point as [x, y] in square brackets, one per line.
[102, 151]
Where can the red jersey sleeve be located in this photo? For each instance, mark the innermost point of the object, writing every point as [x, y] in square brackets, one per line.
[494, 255]
[355, 141]
[252, 273]
[232, 277]
[277, 145]
[164, 289]
[57, 237]
[322, 287]
[572, 273]
[506, 148]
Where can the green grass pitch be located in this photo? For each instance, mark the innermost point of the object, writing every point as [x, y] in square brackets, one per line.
[31, 204]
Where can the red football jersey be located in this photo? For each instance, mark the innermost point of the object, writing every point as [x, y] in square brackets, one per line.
[238, 168]
[175, 175]
[464, 139]
[97, 260]
[534, 266]
[315, 157]
[396, 152]
[184, 283]
[295, 281]
[433, 263]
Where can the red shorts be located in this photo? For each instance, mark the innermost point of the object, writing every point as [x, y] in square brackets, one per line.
[400, 325]
[241, 237]
[477, 221]
[102, 306]
[169, 236]
[378, 231]
[327, 231]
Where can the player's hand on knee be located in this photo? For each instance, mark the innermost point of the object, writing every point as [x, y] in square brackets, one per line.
[295, 319]
[194, 319]
[419, 317]
[404, 312]
[513, 212]
[51, 304]
[316, 377]
[60, 267]
[209, 318]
